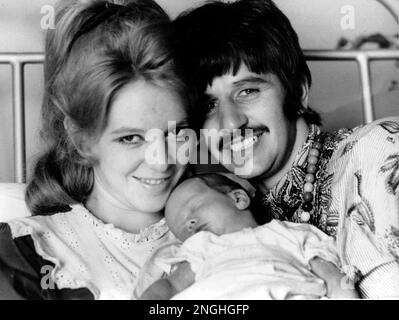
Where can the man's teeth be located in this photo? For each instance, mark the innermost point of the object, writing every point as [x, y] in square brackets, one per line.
[153, 181]
[242, 145]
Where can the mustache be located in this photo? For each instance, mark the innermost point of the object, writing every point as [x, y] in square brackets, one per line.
[226, 137]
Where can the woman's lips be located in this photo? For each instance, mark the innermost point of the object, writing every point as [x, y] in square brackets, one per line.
[154, 185]
[152, 181]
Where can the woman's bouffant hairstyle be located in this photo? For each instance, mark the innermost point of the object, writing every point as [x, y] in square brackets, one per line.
[217, 37]
[95, 49]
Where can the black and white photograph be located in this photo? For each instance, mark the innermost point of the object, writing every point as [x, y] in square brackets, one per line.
[202, 151]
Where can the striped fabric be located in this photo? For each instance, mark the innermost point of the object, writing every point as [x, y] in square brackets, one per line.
[356, 201]
[365, 198]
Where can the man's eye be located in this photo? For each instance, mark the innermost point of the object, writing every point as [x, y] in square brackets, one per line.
[131, 139]
[247, 92]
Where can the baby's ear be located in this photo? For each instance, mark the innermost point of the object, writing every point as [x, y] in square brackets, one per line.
[240, 198]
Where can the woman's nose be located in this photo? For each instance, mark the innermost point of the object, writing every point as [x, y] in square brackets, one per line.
[156, 155]
[231, 117]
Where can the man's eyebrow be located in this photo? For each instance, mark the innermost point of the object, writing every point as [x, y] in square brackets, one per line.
[241, 82]
[252, 80]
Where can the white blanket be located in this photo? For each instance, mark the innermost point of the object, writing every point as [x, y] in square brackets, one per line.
[268, 262]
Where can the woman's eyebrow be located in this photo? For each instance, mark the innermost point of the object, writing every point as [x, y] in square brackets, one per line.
[121, 130]
[127, 130]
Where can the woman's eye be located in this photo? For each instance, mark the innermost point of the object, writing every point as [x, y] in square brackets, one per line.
[131, 139]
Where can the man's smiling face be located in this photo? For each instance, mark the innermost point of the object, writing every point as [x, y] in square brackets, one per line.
[253, 101]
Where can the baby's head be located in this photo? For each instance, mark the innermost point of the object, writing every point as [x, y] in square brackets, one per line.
[210, 202]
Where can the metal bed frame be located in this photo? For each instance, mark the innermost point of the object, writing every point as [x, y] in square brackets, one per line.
[19, 60]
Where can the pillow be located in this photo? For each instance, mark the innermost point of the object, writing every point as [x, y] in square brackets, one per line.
[12, 203]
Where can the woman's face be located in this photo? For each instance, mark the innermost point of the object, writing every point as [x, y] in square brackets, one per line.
[134, 155]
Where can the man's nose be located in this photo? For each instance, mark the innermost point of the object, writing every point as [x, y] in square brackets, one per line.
[231, 117]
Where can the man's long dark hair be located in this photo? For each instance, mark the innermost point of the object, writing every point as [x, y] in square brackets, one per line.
[218, 37]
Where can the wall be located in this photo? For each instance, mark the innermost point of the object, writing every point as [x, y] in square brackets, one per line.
[335, 93]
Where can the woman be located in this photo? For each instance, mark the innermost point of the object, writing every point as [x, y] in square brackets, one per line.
[96, 195]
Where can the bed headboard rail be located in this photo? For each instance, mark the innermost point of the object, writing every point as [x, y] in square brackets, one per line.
[19, 60]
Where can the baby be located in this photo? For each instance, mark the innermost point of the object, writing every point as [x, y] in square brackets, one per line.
[226, 254]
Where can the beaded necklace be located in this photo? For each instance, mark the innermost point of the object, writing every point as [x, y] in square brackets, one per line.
[285, 200]
[307, 208]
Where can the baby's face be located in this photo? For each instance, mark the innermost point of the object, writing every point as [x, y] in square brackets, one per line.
[193, 206]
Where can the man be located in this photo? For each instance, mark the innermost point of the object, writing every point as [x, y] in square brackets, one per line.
[245, 60]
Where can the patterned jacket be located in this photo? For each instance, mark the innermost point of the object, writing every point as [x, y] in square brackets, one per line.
[356, 200]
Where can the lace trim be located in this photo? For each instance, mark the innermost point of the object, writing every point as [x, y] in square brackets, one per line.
[78, 276]
[150, 233]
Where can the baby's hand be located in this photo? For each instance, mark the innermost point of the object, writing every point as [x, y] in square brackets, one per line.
[337, 286]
